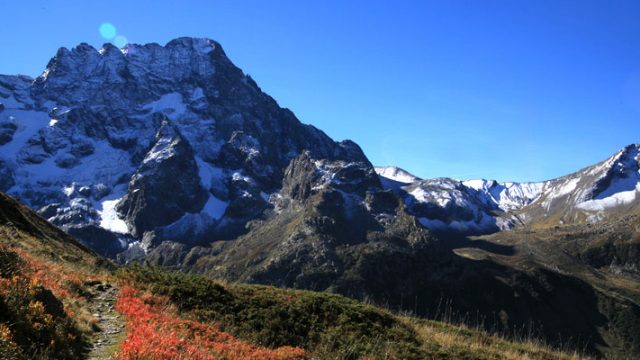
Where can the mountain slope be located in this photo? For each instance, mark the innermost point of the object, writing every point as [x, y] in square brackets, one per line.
[26, 231]
[48, 282]
[45, 287]
[329, 217]
[327, 326]
[394, 177]
[604, 255]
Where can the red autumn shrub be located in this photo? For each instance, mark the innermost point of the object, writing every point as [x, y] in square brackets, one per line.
[34, 322]
[155, 332]
[53, 276]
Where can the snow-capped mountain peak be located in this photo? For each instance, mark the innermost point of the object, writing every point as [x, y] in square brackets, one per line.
[396, 174]
[508, 195]
[149, 142]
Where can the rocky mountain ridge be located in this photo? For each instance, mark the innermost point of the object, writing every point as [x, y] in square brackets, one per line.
[485, 206]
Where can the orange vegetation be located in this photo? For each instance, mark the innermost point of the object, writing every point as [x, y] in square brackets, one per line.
[155, 332]
[53, 276]
[33, 320]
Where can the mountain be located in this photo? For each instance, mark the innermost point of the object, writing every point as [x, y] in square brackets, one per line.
[149, 142]
[486, 206]
[172, 156]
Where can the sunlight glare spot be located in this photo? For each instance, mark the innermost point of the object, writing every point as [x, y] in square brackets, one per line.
[107, 31]
[120, 41]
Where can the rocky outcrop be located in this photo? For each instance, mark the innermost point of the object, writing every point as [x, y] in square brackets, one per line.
[7, 129]
[165, 186]
[327, 217]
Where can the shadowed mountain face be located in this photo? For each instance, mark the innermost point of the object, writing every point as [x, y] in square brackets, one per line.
[173, 155]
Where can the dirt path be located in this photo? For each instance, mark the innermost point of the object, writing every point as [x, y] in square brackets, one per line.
[111, 324]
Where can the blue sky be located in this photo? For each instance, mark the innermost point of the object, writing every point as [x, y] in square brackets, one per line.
[511, 90]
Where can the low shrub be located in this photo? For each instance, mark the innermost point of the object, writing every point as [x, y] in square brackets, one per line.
[155, 332]
[33, 321]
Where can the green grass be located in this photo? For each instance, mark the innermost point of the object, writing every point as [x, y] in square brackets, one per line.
[451, 341]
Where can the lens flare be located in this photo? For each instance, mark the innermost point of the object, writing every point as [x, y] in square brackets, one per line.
[120, 41]
[107, 31]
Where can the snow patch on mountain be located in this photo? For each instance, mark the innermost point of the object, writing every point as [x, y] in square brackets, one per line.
[190, 226]
[162, 150]
[419, 194]
[624, 183]
[204, 45]
[396, 174]
[620, 185]
[215, 207]
[508, 195]
[170, 104]
[611, 201]
[109, 219]
[28, 124]
[565, 188]
[209, 174]
[447, 204]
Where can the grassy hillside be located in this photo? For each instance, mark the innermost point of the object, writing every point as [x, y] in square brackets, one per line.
[56, 300]
[322, 325]
[605, 256]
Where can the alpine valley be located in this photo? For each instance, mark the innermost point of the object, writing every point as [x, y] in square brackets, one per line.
[172, 156]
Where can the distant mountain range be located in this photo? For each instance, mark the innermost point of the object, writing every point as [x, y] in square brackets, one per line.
[172, 155]
[485, 206]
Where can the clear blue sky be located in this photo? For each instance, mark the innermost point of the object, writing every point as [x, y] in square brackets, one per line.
[512, 90]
